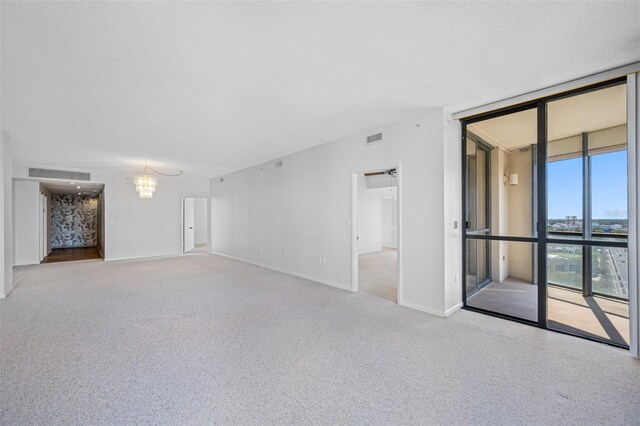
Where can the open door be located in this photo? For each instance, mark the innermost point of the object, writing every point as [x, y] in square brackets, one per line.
[188, 221]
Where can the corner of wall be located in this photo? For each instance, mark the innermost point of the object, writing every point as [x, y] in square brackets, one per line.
[6, 217]
[453, 221]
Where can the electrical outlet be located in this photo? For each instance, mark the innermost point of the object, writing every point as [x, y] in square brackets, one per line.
[456, 277]
[285, 253]
[260, 250]
[320, 260]
[455, 224]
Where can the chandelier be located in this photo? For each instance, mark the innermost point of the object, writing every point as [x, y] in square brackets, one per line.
[146, 184]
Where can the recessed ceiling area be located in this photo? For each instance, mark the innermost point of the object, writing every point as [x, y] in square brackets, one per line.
[212, 87]
[595, 110]
[509, 132]
[73, 188]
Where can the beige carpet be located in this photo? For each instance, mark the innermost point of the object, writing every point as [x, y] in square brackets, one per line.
[199, 248]
[207, 340]
[378, 274]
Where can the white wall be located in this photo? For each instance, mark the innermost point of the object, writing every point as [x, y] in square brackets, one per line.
[452, 219]
[26, 222]
[141, 228]
[390, 220]
[6, 214]
[289, 217]
[200, 220]
[369, 220]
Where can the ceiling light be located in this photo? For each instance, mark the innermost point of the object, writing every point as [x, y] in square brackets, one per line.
[79, 193]
[78, 187]
[146, 185]
[72, 183]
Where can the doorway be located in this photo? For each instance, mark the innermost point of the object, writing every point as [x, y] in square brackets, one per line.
[375, 216]
[194, 225]
[71, 221]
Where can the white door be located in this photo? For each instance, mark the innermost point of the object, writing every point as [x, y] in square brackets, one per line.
[43, 226]
[46, 243]
[188, 223]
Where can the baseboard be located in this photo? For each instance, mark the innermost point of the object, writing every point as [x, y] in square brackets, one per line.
[453, 310]
[155, 256]
[285, 271]
[422, 308]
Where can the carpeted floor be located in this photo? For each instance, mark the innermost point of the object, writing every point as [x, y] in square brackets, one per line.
[208, 340]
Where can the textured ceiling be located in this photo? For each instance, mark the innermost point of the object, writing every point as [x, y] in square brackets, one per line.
[214, 87]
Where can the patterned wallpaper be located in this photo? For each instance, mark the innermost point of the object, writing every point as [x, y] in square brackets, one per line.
[74, 221]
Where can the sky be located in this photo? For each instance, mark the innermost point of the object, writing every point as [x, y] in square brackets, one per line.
[609, 187]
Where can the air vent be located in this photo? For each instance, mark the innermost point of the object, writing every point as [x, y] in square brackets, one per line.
[374, 138]
[277, 164]
[221, 180]
[58, 174]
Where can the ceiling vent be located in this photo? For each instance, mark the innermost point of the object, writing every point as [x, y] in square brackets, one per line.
[58, 174]
[374, 138]
[277, 164]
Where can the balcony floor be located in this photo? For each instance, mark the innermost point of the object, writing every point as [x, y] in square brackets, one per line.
[568, 310]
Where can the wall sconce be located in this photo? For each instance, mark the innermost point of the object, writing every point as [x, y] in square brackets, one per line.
[512, 180]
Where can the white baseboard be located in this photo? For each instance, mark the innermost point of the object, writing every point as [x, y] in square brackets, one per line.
[453, 310]
[422, 308]
[284, 271]
[157, 256]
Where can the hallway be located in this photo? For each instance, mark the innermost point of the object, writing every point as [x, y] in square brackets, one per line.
[378, 274]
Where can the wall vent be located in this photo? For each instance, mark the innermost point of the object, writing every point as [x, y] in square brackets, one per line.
[221, 180]
[374, 138]
[58, 174]
[277, 164]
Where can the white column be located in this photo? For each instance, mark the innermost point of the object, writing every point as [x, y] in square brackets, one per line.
[633, 136]
[6, 217]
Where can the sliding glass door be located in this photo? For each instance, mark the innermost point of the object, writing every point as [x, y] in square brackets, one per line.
[587, 226]
[478, 203]
[545, 206]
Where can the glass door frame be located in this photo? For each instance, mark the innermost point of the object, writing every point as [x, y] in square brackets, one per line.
[486, 227]
[540, 235]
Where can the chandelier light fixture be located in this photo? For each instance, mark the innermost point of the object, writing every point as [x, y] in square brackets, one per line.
[146, 184]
